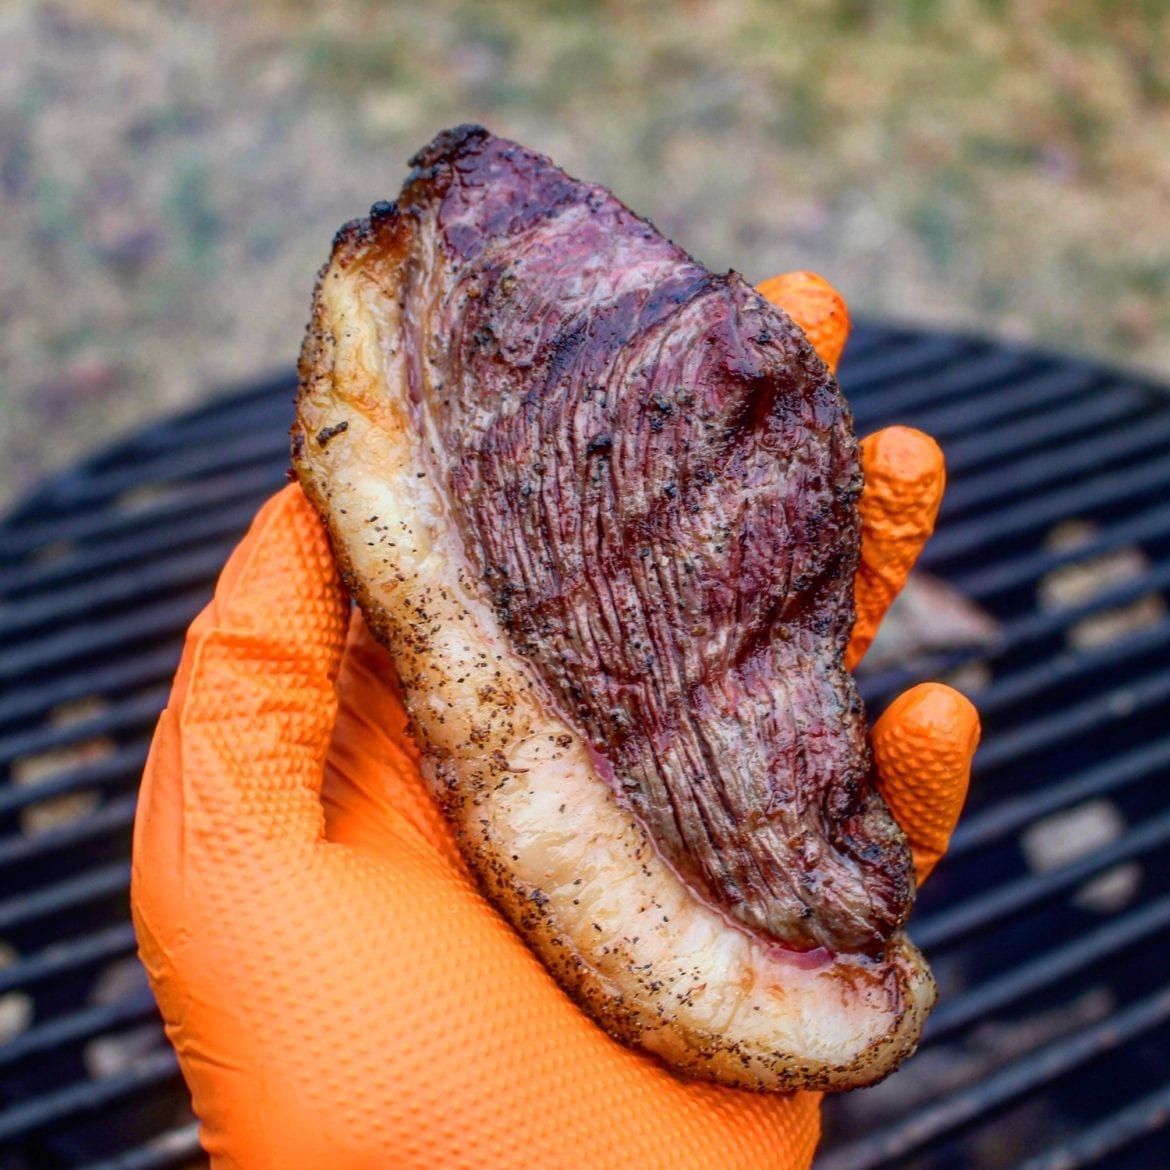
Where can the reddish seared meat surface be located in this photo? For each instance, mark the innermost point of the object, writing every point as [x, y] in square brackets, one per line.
[654, 477]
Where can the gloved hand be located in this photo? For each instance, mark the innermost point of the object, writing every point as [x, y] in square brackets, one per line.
[339, 993]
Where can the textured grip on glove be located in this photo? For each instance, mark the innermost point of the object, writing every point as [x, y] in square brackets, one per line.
[337, 990]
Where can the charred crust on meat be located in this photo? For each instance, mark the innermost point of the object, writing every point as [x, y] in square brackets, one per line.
[448, 143]
[346, 237]
[326, 433]
[382, 212]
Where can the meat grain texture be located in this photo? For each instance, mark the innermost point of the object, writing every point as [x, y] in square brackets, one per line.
[600, 504]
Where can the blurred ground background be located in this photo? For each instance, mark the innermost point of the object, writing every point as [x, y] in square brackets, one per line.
[171, 174]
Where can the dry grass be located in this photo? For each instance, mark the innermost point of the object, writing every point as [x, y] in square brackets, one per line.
[171, 174]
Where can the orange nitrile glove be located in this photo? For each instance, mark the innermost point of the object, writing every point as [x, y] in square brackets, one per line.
[338, 991]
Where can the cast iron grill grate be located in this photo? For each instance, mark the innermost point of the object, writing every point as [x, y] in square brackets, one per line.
[1048, 924]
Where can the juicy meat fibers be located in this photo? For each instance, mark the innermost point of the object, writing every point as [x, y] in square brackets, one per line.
[655, 478]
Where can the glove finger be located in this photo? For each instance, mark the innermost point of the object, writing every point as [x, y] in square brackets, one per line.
[243, 743]
[922, 750]
[373, 790]
[816, 306]
[905, 475]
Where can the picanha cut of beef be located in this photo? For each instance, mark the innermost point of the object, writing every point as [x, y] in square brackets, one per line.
[600, 504]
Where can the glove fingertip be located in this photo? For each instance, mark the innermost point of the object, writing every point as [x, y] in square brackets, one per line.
[923, 746]
[816, 306]
[902, 451]
[905, 476]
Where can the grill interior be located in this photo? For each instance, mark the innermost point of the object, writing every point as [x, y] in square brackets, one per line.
[1048, 924]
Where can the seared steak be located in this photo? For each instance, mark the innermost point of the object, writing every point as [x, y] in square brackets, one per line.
[655, 477]
[615, 532]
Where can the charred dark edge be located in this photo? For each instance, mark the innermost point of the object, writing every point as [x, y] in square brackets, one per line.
[446, 144]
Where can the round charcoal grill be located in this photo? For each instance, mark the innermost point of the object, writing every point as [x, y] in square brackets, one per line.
[1048, 924]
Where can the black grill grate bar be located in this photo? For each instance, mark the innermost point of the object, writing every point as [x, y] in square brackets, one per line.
[1025, 1075]
[902, 362]
[124, 715]
[276, 387]
[113, 634]
[117, 768]
[1045, 389]
[999, 445]
[928, 399]
[1047, 970]
[1093, 496]
[1073, 722]
[38, 905]
[1014, 897]
[865, 340]
[1151, 523]
[37, 1114]
[199, 529]
[59, 960]
[78, 1028]
[1017, 633]
[176, 515]
[101, 486]
[1008, 691]
[176, 1148]
[1098, 1142]
[979, 371]
[1012, 814]
[1054, 464]
[127, 589]
[1045, 623]
[114, 817]
[149, 667]
[36, 699]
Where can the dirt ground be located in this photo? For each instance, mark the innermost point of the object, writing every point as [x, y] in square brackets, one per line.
[171, 174]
